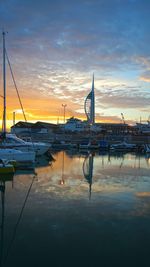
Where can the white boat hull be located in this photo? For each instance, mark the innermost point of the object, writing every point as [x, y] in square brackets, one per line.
[39, 150]
[123, 146]
[83, 146]
[12, 141]
[19, 156]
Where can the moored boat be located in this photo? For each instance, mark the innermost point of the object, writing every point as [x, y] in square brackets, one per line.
[12, 141]
[6, 167]
[103, 145]
[93, 144]
[17, 155]
[84, 145]
[147, 148]
[123, 146]
[58, 144]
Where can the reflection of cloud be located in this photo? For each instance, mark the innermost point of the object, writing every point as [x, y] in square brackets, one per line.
[143, 194]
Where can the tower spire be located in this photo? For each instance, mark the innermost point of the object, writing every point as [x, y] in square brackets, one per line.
[89, 105]
[93, 103]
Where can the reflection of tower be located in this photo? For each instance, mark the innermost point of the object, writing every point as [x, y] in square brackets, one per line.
[3, 178]
[89, 105]
[88, 171]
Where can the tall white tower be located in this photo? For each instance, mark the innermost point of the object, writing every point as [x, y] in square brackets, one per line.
[89, 105]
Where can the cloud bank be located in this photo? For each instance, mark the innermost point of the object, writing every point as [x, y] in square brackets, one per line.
[55, 46]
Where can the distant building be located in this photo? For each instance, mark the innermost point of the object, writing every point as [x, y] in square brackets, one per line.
[114, 128]
[97, 127]
[143, 127]
[46, 127]
[76, 125]
[73, 125]
[26, 128]
[22, 127]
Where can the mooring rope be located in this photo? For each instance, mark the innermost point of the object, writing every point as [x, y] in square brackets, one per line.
[13, 78]
[18, 221]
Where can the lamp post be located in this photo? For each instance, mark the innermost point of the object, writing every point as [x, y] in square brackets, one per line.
[64, 106]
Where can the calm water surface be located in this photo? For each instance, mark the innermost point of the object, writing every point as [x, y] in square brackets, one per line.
[79, 210]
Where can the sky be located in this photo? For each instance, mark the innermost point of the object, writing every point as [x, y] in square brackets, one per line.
[55, 47]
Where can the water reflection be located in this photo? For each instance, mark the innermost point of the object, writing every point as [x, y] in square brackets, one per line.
[50, 213]
[4, 178]
[105, 173]
[62, 181]
[88, 171]
[97, 173]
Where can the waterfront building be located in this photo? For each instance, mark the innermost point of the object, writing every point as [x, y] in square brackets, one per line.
[72, 125]
[96, 127]
[76, 125]
[89, 105]
[143, 127]
[114, 128]
[38, 131]
[21, 127]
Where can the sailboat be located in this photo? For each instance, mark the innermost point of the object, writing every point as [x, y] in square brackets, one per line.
[9, 140]
[12, 141]
[5, 152]
[121, 146]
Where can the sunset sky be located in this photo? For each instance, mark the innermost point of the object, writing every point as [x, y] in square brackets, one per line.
[55, 47]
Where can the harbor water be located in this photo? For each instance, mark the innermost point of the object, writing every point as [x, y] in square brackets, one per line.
[82, 209]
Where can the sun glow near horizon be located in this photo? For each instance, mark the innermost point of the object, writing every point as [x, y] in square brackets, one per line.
[53, 63]
[45, 105]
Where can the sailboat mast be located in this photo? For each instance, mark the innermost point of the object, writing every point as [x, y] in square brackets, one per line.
[4, 84]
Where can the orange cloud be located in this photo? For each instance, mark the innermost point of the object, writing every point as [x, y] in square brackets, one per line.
[143, 194]
[145, 79]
